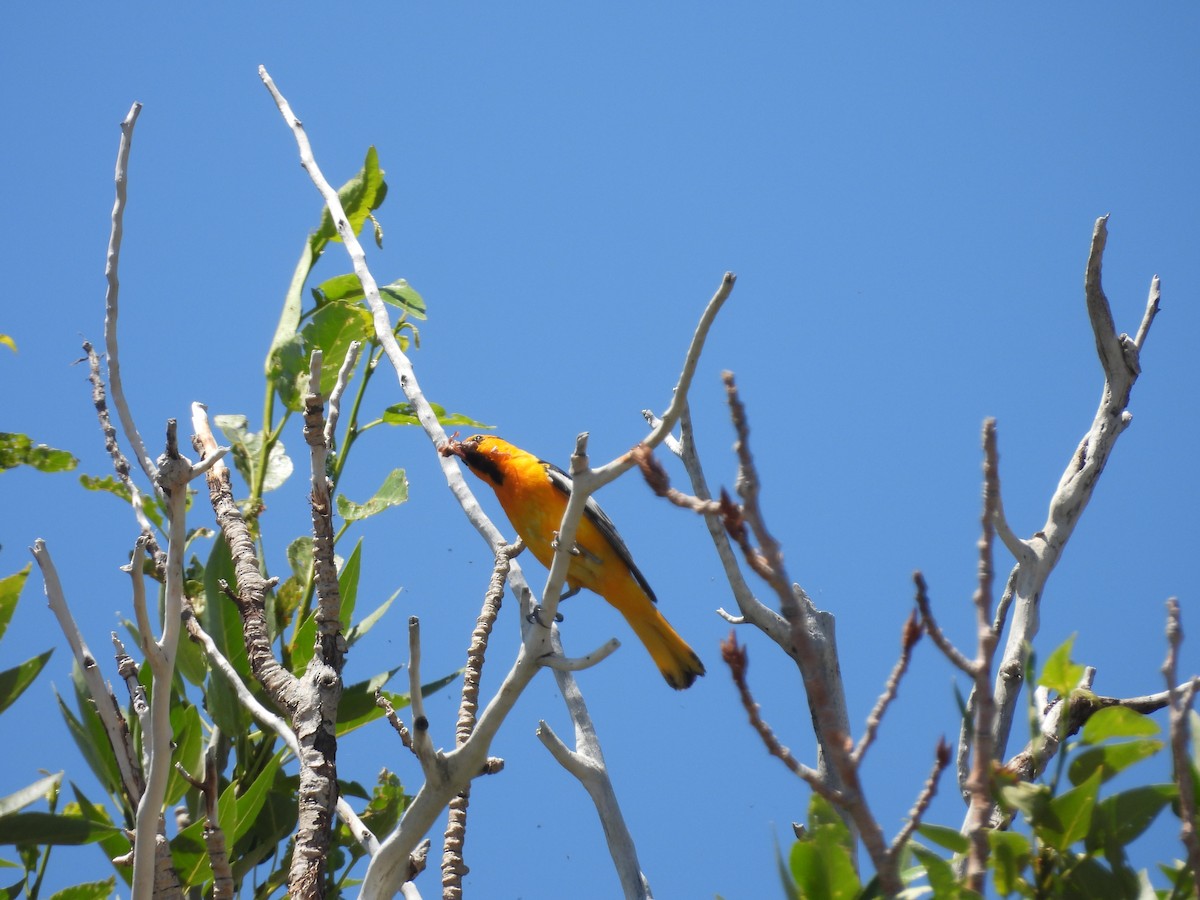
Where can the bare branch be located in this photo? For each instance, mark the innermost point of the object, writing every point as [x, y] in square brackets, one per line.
[422, 742]
[335, 398]
[912, 634]
[1119, 357]
[941, 760]
[579, 663]
[115, 726]
[280, 684]
[390, 714]
[120, 463]
[978, 782]
[1181, 705]
[113, 293]
[738, 659]
[453, 866]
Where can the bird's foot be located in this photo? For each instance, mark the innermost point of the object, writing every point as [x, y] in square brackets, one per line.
[536, 616]
[575, 551]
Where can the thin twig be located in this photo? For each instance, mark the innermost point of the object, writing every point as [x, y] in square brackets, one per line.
[120, 463]
[339, 388]
[929, 623]
[979, 780]
[422, 742]
[393, 718]
[1181, 705]
[911, 634]
[453, 866]
[579, 663]
[115, 726]
[111, 297]
[913, 822]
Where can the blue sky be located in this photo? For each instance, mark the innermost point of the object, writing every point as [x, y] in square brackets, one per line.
[907, 194]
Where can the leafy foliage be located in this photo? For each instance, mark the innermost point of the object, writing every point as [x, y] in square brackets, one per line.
[255, 784]
[20, 450]
[1069, 842]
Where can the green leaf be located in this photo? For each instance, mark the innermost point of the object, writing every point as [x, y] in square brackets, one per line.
[1060, 674]
[113, 845]
[1109, 759]
[109, 484]
[20, 450]
[189, 660]
[50, 828]
[1069, 815]
[14, 681]
[222, 621]
[8, 342]
[10, 590]
[822, 867]
[947, 838]
[188, 738]
[401, 293]
[92, 742]
[1194, 729]
[348, 287]
[1010, 856]
[357, 706]
[1117, 722]
[339, 287]
[247, 452]
[332, 328]
[236, 813]
[304, 643]
[300, 557]
[92, 890]
[787, 879]
[940, 874]
[289, 316]
[388, 802]
[1032, 800]
[189, 856]
[1088, 879]
[1122, 818]
[358, 701]
[359, 629]
[360, 195]
[404, 414]
[287, 370]
[392, 492]
[348, 575]
[29, 794]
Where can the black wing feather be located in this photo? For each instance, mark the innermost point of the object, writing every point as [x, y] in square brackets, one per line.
[596, 515]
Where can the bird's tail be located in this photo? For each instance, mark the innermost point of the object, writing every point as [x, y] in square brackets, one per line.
[678, 662]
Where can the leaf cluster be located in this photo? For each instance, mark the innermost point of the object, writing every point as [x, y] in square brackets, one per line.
[254, 801]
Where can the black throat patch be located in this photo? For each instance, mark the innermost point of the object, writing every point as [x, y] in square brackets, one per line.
[483, 464]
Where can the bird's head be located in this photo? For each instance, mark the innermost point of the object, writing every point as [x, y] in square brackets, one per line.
[484, 455]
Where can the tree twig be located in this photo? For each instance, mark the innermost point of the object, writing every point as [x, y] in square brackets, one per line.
[112, 295]
[1181, 705]
[1119, 357]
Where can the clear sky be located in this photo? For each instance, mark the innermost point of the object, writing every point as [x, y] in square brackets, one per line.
[906, 193]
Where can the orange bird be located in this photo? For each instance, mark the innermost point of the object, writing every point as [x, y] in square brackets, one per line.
[534, 496]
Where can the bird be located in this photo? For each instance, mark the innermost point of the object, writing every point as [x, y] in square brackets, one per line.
[533, 494]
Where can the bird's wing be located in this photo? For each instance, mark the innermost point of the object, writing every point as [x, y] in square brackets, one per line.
[597, 516]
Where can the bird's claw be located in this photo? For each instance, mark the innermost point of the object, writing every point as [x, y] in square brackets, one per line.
[575, 551]
[536, 616]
